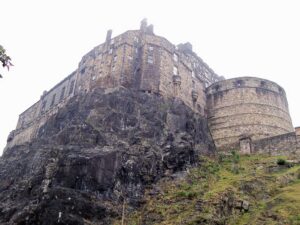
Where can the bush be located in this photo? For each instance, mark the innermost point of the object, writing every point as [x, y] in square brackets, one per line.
[235, 162]
[281, 162]
[186, 194]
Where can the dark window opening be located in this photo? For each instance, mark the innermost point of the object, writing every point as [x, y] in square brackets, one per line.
[82, 71]
[71, 87]
[53, 100]
[62, 93]
[239, 83]
[263, 83]
[217, 87]
[43, 106]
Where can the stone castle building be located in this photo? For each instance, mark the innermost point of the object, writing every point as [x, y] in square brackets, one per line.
[240, 111]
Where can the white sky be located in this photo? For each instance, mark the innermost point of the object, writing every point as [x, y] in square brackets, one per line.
[46, 40]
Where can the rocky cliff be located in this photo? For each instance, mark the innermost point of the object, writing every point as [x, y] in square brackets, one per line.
[100, 150]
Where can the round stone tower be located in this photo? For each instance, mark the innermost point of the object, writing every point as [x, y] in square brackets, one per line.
[246, 108]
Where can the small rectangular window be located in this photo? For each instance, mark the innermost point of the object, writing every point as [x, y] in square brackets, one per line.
[62, 93]
[175, 57]
[71, 87]
[193, 74]
[115, 58]
[150, 59]
[175, 70]
[53, 100]
[94, 77]
[43, 106]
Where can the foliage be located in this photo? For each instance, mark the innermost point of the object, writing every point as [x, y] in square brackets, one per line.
[235, 162]
[281, 162]
[4, 59]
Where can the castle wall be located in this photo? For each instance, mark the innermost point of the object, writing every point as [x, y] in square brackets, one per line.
[35, 116]
[136, 59]
[277, 145]
[246, 107]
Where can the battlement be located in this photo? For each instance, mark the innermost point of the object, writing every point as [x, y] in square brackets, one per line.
[242, 82]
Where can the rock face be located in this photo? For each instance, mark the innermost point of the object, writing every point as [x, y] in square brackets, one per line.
[100, 150]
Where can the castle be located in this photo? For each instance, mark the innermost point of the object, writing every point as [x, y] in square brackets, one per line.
[246, 113]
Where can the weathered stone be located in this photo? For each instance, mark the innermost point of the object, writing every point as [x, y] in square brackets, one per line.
[97, 150]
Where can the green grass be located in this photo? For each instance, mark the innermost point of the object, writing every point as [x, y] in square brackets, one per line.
[272, 190]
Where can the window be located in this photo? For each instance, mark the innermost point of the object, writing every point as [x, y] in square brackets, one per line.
[82, 71]
[150, 59]
[53, 100]
[43, 106]
[175, 57]
[94, 77]
[175, 70]
[193, 85]
[62, 93]
[150, 48]
[239, 83]
[113, 68]
[217, 87]
[193, 74]
[115, 58]
[71, 87]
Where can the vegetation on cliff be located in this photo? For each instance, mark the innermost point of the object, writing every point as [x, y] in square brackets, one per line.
[254, 189]
[4, 59]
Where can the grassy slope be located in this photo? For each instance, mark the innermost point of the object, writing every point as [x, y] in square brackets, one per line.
[213, 192]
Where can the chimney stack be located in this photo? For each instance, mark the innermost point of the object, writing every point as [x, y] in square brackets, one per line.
[108, 36]
[143, 26]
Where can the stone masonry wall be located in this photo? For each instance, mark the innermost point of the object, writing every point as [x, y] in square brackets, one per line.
[277, 145]
[136, 59]
[246, 107]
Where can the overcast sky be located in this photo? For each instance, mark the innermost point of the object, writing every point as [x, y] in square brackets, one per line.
[46, 40]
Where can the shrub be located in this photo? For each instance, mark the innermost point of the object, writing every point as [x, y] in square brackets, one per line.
[281, 162]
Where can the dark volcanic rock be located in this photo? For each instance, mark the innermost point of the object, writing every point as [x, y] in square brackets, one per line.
[95, 152]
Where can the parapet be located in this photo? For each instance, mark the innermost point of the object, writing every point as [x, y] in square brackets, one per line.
[245, 82]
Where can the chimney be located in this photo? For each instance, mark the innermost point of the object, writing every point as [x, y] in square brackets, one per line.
[143, 26]
[186, 47]
[150, 29]
[108, 36]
